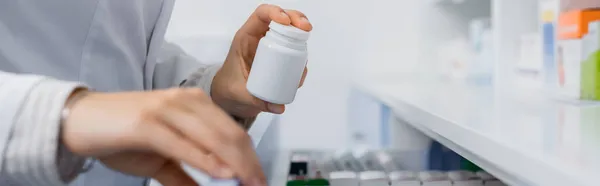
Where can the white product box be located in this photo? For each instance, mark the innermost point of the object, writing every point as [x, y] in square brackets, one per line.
[404, 178]
[373, 178]
[569, 68]
[464, 178]
[529, 79]
[406, 183]
[488, 179]
[343, 178]
[434, 178]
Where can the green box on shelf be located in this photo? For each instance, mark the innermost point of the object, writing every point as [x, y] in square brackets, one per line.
[296, 183]
[317, 182]
[470, 166]
[590, 67]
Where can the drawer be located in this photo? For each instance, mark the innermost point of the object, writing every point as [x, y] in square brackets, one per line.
[373, 168]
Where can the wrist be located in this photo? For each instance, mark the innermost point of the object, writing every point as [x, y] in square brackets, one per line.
[218, 93]
[70, 142]
[237, 111]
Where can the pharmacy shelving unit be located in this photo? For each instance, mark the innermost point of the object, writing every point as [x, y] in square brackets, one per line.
[446, 20]
[522, 141]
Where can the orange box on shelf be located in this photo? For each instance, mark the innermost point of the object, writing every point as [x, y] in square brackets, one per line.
[574, 24]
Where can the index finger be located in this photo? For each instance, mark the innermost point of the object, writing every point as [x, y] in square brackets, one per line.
[299, 20]
[258, 23]
[232, 146]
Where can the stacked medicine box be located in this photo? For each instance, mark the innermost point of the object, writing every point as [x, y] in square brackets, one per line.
[590, 75]
[576, 75]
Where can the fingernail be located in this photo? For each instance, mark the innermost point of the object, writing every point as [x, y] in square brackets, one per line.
[278, 109]
[284, 14]
[304, 19]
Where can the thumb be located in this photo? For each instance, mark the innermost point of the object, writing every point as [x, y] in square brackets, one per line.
[171, 174]
[246, 98]
[266, 106]
[269, 107]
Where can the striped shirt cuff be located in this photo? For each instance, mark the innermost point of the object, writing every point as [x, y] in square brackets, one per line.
[202, 78]
[34, 155]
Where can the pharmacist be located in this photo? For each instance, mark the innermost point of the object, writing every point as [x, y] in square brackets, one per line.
[91, 78]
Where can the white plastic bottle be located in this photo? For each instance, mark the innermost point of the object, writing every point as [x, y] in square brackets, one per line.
[278, 64]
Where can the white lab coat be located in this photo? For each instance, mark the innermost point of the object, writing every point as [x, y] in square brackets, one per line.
[48, 48]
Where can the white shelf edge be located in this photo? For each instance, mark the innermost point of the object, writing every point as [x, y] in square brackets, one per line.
[280, 168]
[447, 133]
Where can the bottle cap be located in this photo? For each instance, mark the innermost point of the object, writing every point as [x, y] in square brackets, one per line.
[289, 30]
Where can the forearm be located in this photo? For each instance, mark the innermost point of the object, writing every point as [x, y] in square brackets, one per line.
[32, 155]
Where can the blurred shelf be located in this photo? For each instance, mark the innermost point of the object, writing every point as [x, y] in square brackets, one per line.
[521, 141]
[447, 1]
[280, 167]
[451, 2]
